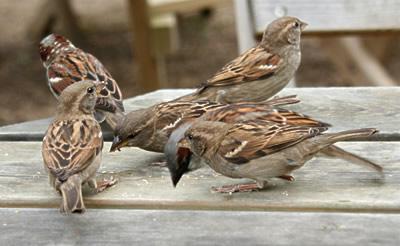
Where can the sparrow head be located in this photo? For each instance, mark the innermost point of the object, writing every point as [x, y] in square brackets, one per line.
[178, 157]
[51, 46]
[203, 136]
[133, 130]
[283, 31]
[79, 98]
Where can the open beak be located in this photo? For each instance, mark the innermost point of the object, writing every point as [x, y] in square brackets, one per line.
[118, 143]
[303, 25]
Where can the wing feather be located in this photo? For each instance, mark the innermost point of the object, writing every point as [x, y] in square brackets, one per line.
[69, 146]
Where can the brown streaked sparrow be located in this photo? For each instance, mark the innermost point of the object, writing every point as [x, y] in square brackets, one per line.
[67, 64]
[72, 145]
[259, 151]
[150, 128]
[260, 72]
[178, 159]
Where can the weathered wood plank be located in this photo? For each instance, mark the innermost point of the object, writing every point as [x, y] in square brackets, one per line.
[323, 184]
[344, 108]
[326, 16]
[155, 227]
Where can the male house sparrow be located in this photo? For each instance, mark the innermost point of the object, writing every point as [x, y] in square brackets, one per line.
[150, 128]
[259, 151]
[72, 145]
[66, 64]
[260, 72]
[178, 159]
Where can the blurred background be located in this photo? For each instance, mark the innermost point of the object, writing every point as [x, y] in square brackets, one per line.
[181, 43]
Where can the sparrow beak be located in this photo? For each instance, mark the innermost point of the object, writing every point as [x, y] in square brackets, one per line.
[118, 143]
[184, 143]
[303, 25]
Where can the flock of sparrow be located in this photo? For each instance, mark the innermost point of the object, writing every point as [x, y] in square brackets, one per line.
[230, 122]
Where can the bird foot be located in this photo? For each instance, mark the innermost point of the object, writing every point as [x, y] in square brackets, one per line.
[286, 177]
[159, 164]
[236, 188]
[104, 184]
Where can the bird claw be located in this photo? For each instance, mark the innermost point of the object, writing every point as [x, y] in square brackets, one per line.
[104, 184]
[236, 188]
[286, 177]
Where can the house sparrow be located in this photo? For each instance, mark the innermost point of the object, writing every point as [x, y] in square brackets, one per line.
[178, 159]
[260, 72]
[66, 64]
[259, 151]
[72, 145]
[150, 128]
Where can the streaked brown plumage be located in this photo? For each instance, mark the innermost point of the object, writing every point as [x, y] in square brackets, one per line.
[151, 127]
[178, 160]
[66, 64]
[259, 151]
[72, 145]
[260, 72]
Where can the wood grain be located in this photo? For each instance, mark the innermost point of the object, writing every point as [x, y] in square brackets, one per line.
[155, 227]
[325, 16]
[344, 108]
[322, 185]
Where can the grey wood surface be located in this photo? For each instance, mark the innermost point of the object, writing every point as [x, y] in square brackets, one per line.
[326, 16]
[163, 227]
[344, 108]
[322, 185]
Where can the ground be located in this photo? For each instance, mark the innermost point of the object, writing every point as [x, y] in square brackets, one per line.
[207, 43]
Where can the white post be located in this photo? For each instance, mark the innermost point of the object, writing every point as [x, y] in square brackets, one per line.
[244, 25]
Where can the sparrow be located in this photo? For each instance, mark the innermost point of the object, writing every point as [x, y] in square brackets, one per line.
[259, 151]
[66, 64]
[150, 128]
[178, 159]
[73, 144]
[260, 72]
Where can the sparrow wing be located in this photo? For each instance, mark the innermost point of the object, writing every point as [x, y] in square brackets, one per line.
[111, 90]
[172, 114]
[262, 112]
[70, 146]
[245, 142]
[256, 63]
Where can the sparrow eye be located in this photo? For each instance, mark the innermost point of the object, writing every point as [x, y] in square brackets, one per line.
[190, 136]
[296, 24]
[90, 90]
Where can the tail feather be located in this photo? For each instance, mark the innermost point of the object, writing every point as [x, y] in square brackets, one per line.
[350, 134]
[71, 192]
[334, 151]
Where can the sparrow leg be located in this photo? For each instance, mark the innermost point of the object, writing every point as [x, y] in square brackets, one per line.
[237, 188]
[100, 186]
[286, 177]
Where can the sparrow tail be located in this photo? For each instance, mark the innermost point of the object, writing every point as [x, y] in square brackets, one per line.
[350, 134]
[334, 151]
[71, 191]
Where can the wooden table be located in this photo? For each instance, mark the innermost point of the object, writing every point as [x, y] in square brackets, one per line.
[331, 202]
